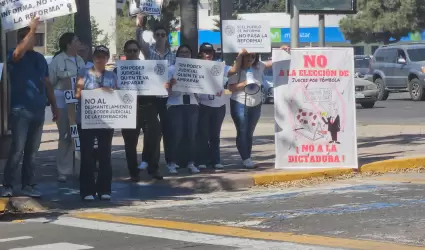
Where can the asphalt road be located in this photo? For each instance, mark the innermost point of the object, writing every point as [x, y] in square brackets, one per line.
[399, 109]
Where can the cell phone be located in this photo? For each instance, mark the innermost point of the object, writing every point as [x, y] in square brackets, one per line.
[186, 99]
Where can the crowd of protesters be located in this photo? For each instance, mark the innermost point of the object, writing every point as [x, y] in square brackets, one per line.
[192, 119]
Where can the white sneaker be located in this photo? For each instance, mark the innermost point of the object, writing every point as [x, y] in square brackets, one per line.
[62, 178]
[7, 192]
[89, 198]
[172, 168]
[143, 165]
[106, 197]
[30, 191]
[248, 163]
[202, 166]
[218, 166]
[193, 169]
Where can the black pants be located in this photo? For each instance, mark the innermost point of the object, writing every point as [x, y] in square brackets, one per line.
[147, 120]
[89, 185]
[161, 106]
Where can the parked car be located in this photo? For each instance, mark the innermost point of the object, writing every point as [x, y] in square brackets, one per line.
[366, 92]
[361, 65]
[399, 67]
[267, 87]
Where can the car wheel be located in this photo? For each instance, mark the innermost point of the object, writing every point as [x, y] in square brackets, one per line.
[416, 90]
[368, 105]
[382, 93]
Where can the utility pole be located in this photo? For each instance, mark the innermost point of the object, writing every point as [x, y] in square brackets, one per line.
[321, 30]
[189, 24]
[226, 11]
[295, 24]
[82, 24]
[45, 37]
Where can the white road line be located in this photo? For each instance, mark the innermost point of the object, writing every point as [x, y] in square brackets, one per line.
[16, 238]
[56, 246]
[182, 235]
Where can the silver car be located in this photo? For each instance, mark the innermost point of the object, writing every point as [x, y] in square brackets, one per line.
[366, 93]
[267, 87]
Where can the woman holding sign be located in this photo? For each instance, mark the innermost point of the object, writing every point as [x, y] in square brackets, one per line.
[90, 79]
[63, 72]
[245, 105]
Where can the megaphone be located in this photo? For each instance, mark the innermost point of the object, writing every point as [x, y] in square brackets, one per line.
[252, 87]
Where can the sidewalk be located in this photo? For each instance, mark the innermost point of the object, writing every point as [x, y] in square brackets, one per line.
[375, 143]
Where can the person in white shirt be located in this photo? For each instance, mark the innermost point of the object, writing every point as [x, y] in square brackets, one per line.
[212, 109]
[84, 53]
[182, 119]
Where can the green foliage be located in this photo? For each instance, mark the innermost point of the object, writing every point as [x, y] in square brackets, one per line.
[253, 6]
[65, 24]
[217, 22]
[379, 20]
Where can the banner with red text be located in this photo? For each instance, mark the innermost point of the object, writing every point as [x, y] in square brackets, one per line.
[315, 108]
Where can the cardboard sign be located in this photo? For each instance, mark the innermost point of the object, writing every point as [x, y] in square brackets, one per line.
[19, 13]
[198, 76]
[146, 77]
[108, 109]
[254, 36]
[315, 108]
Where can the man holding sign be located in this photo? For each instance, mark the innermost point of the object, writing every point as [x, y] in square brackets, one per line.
[29, 82]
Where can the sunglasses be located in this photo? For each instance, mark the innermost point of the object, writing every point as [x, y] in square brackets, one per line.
[160, 34]
[131, 50]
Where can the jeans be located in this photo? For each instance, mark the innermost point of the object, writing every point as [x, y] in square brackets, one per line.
[88, 184]
[209, 129]
[147, 120]
[182, 120]
[161, 107]
[245, 119]
[27, 129]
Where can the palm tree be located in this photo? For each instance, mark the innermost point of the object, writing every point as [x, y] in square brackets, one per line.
[82, 22]
[189, 24]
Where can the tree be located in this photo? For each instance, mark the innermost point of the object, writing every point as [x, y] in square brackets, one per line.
[381, 20]
[97, 34]
[252, 6]
[189, 24]
[82, 22]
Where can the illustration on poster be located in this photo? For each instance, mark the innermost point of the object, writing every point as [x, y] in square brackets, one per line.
[189, 73]
[25, 7]
[132, 75]
[99, 109]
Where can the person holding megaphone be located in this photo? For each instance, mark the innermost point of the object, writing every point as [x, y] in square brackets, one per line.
[246, 100]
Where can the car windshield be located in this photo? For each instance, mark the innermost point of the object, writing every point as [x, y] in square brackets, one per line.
[362, 62]
[416, 55]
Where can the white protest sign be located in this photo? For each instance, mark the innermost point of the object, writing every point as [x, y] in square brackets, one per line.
[73, 82]
[77, 144]
[74, 131]
[16, 14]
[315, 110]
[108, 109]
[147, 76]
[254, 36]
[70, 97]
[151, 7]
[198, 76]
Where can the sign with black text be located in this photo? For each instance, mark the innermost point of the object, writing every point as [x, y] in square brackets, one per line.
[198, 76]
[16, 14]
[147, 77]
[151, 7]
[108, 109]
[254, 36]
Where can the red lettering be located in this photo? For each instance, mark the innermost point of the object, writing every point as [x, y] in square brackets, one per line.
[320, 148]
[344, 73]
[310, 61]
[307, 148]
[314, 159]
[282, 72]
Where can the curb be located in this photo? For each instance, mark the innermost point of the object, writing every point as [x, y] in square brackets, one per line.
[374, 167]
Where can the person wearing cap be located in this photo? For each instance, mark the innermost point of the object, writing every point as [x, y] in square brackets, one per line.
[212, 110]
[245, 108]
[96, 77]
[30, 87]
[160, 50]
[147, 120]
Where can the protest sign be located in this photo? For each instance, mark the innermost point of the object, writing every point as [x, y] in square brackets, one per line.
[315, 109]
[147, 76]
[74, 131]
[70, 97]
[151, 7]
[108, 109]
[77, 144]
[254, 36]
[17, 14]
[198, 76]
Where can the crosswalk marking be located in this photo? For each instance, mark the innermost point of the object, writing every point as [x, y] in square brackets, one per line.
[56, 246]
[16, 238]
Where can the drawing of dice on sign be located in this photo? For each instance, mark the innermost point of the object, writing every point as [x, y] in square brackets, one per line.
[215, 70]
[308, 124]
[159, 69]
[229, 30]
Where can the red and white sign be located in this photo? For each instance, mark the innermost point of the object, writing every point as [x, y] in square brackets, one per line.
[315, 108]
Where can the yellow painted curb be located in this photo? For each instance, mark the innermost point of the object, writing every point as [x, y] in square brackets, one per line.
[248, 233]
[393, 164]
[262, 179]
[3, 204]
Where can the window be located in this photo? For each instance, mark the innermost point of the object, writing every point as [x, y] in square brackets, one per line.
[361, 62]
[374, 48]
[39, 39]
[358, 50]
[386, 55]
[416, 55]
